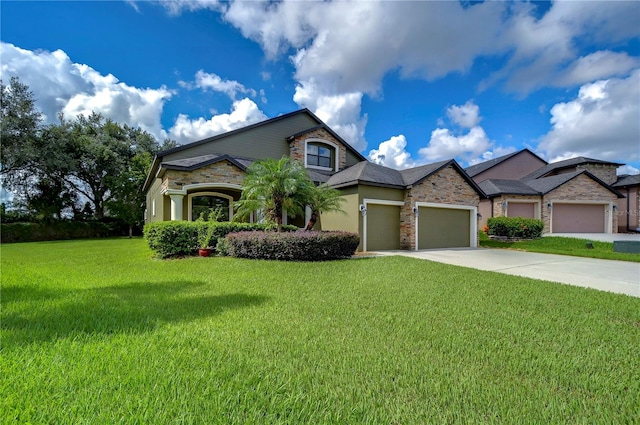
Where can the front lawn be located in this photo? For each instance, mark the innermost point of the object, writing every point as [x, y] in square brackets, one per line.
[562, 246]
[99, 332]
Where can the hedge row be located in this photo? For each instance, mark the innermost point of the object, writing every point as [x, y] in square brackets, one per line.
[179, 238]
[59, 230]
[295, 246]
[515, 227]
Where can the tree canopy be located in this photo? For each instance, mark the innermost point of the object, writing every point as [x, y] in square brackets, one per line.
[57, 168]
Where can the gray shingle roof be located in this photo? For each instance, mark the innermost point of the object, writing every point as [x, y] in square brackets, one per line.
[412, 176]
[367, 172]
[493, 187]
[540, 186]
[567, 163]
[624, 181]
[188, 164]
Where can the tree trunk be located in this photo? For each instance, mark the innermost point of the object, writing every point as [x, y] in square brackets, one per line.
[130, 231]
[312, 221]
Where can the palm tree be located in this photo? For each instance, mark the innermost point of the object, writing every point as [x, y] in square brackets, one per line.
[321, 199]
[274, 186]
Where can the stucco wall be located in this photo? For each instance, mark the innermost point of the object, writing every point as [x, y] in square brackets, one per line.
[629, 209]
[155, 194]
[514, 168]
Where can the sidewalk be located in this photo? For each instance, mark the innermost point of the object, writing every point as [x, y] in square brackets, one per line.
[621, 277]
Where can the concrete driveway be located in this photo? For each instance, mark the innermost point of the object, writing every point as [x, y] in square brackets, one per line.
[621, 277]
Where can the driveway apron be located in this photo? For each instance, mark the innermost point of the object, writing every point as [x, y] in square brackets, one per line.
[620, 277]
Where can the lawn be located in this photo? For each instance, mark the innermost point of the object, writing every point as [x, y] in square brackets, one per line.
[563, 246]
[99, 332]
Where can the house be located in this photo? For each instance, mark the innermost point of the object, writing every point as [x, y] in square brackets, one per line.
[430, 206]
[629, 206]
[577, 195]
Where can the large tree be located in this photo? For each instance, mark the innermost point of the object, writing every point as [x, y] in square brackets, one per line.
[20, 123]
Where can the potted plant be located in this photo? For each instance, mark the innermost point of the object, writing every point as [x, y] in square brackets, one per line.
[205, 233]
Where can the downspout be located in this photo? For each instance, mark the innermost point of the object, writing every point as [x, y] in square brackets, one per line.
[629, 208]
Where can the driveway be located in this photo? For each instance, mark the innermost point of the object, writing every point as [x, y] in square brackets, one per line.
[621, 277]
[602, 237]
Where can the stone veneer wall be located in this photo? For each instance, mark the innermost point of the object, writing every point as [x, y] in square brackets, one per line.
[446, 186]
[219, 172]
[606, 173]
[296, 147]
[581, 188]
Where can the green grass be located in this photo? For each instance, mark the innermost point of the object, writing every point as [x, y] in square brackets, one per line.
[562, 246]
[99, 332]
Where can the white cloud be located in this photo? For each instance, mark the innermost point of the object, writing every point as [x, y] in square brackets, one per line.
[60, 85]
[214, 82]
[244, 112]
[595, 66]
[628, 169]
[496, 152]
[392, 153]
[466, 116]
[602, 122]
[340, 112]
[444, 144]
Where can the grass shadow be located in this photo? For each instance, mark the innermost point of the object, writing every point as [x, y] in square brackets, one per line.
[132, 308]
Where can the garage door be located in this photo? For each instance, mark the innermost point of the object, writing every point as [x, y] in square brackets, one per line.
[521, 209]
[443, 228]
[383, 227]
[577, 218]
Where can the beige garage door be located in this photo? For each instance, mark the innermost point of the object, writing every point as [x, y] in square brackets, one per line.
[521, 209]
[443, 228]
[383, 227]
[577, 218]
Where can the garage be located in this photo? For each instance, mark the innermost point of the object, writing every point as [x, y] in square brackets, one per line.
[521, 209]
[577, 218]
[444, 227]
[382, 227]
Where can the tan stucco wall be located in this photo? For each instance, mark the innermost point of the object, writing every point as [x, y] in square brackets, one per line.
[514, 168]
[581, 188]
[155, 193]
[446, 186]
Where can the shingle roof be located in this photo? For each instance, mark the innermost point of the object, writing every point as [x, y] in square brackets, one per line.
[367, 172]
[494, 187]
[188, 164]
[476, 169]
[414, 175]
[567, 163]
[540, 186]
[624, 181]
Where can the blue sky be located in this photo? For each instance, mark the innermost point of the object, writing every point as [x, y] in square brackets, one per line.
[406, 83]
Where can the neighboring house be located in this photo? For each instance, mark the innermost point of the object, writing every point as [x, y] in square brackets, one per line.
[629, 207]
[578, 195]
[432, 206]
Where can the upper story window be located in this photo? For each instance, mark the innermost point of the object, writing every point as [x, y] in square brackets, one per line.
[321, 154]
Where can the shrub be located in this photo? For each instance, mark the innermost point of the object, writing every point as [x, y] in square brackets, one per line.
[59, 230]
[297, 246]
[515, 227]
[179, 238]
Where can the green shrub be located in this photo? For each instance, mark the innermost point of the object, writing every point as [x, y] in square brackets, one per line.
[296, 246]
[179, 238]
[59, 230]
[515, 227]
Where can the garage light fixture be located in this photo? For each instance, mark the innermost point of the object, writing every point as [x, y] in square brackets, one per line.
[549, 205]
[363, 209]
[415, 210]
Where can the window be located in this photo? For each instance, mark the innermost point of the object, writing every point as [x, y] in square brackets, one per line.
[202, 204]
[319, 156]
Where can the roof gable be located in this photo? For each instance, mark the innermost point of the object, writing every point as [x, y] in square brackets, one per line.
[476, 169]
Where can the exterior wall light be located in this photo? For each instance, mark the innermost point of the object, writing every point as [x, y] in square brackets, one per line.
[415, 210]
[363, 209]
[549, 205]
